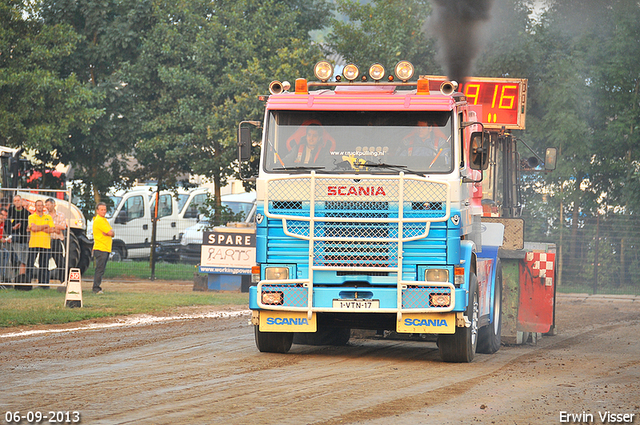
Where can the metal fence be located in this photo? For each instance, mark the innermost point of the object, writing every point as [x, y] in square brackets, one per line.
[599, 255]
[37, 255]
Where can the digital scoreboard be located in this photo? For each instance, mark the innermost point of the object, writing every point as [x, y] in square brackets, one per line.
[498, 102]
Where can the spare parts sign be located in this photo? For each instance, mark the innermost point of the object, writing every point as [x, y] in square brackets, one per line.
[228, 249]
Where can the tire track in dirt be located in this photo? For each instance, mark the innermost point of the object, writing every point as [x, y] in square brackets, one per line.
[209, 371]
[431, 398]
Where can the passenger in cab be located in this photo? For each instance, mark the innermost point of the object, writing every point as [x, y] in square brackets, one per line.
[428, 141]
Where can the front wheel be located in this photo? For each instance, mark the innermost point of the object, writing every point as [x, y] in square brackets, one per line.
[273, 342]
[118, 253]
[489, 336]
[460, 347]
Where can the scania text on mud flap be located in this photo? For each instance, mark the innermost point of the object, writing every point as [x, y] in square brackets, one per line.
[369, 211]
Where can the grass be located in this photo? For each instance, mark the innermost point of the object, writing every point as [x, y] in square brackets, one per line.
[142, 270]
[42, 307]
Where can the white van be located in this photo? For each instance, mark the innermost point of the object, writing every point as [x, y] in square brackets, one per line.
[189, 248]
[131, 216]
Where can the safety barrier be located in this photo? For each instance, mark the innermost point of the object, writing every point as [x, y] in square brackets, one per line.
[35, 258]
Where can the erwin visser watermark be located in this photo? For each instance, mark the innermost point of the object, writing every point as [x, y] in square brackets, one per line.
[605, 417]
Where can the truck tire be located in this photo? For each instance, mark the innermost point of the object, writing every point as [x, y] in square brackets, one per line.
[75, 252]
[79, 257]
[489, 336]
[85, 258]
[273, 342]
[324, 336]
[118, 252]
[461, 346]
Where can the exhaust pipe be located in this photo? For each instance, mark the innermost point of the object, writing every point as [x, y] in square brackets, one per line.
[448, 87]
[275, 87]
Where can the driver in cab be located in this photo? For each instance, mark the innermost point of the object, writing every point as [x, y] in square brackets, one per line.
[310, 149]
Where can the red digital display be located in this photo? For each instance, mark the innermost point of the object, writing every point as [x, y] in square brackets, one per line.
[498, 102]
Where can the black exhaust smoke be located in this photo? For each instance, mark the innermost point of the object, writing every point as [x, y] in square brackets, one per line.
[457, 25]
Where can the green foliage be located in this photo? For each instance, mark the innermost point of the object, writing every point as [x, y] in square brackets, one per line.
[384, 31]
[200, 70]
[582, 61]
[98, 82]
[217, 214]
[109, 33]
[38, 106]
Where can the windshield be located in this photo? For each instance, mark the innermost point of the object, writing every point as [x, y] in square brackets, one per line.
[380, 142]
[115, 200]
[239, 207]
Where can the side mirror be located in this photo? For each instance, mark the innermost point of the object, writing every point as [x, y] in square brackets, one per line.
[244, 144]
[479, 151]
[550, 159]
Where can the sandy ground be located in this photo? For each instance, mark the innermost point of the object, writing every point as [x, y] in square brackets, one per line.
[203, 368]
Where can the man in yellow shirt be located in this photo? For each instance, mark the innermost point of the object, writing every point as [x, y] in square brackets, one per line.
[40, 226]
[102, 239]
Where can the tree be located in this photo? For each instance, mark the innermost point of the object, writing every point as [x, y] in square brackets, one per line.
[201, 68]
[384, 31]
[581, 60]
[109, 34]
[38, 105]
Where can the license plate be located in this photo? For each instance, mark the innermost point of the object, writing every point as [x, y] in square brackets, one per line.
[356, 304]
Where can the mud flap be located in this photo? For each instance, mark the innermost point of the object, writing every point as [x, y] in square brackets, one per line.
[287, 321]
[429, 323]
[537, 285]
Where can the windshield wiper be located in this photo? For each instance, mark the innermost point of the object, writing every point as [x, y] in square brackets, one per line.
[300, 168]
[381, 165]
[389, 166]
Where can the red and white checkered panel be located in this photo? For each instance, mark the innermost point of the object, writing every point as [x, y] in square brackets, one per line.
[543, 263]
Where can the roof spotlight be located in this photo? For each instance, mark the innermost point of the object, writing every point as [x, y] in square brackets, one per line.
[350, 72]
[404, 70]
[323, 71]
[376, 72]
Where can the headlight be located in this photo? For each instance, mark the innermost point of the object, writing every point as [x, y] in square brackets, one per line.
[440, 300]
[323, 71]
[376, 72]
[273, 298]
[404, 70]
[436, 275]
[350, 72]
[276, 273]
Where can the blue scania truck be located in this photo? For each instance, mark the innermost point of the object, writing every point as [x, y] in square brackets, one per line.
[370, 211]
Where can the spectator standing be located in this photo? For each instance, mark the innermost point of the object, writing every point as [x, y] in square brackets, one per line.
[40, 227]
[102, 242]
[57, 238]
[19, 217]
[5, 240]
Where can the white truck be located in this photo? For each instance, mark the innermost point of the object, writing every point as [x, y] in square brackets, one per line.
[131, 218]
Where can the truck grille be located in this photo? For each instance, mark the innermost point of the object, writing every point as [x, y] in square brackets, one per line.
[365, 225]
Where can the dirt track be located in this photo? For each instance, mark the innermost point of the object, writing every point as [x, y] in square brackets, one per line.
[199, 371]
